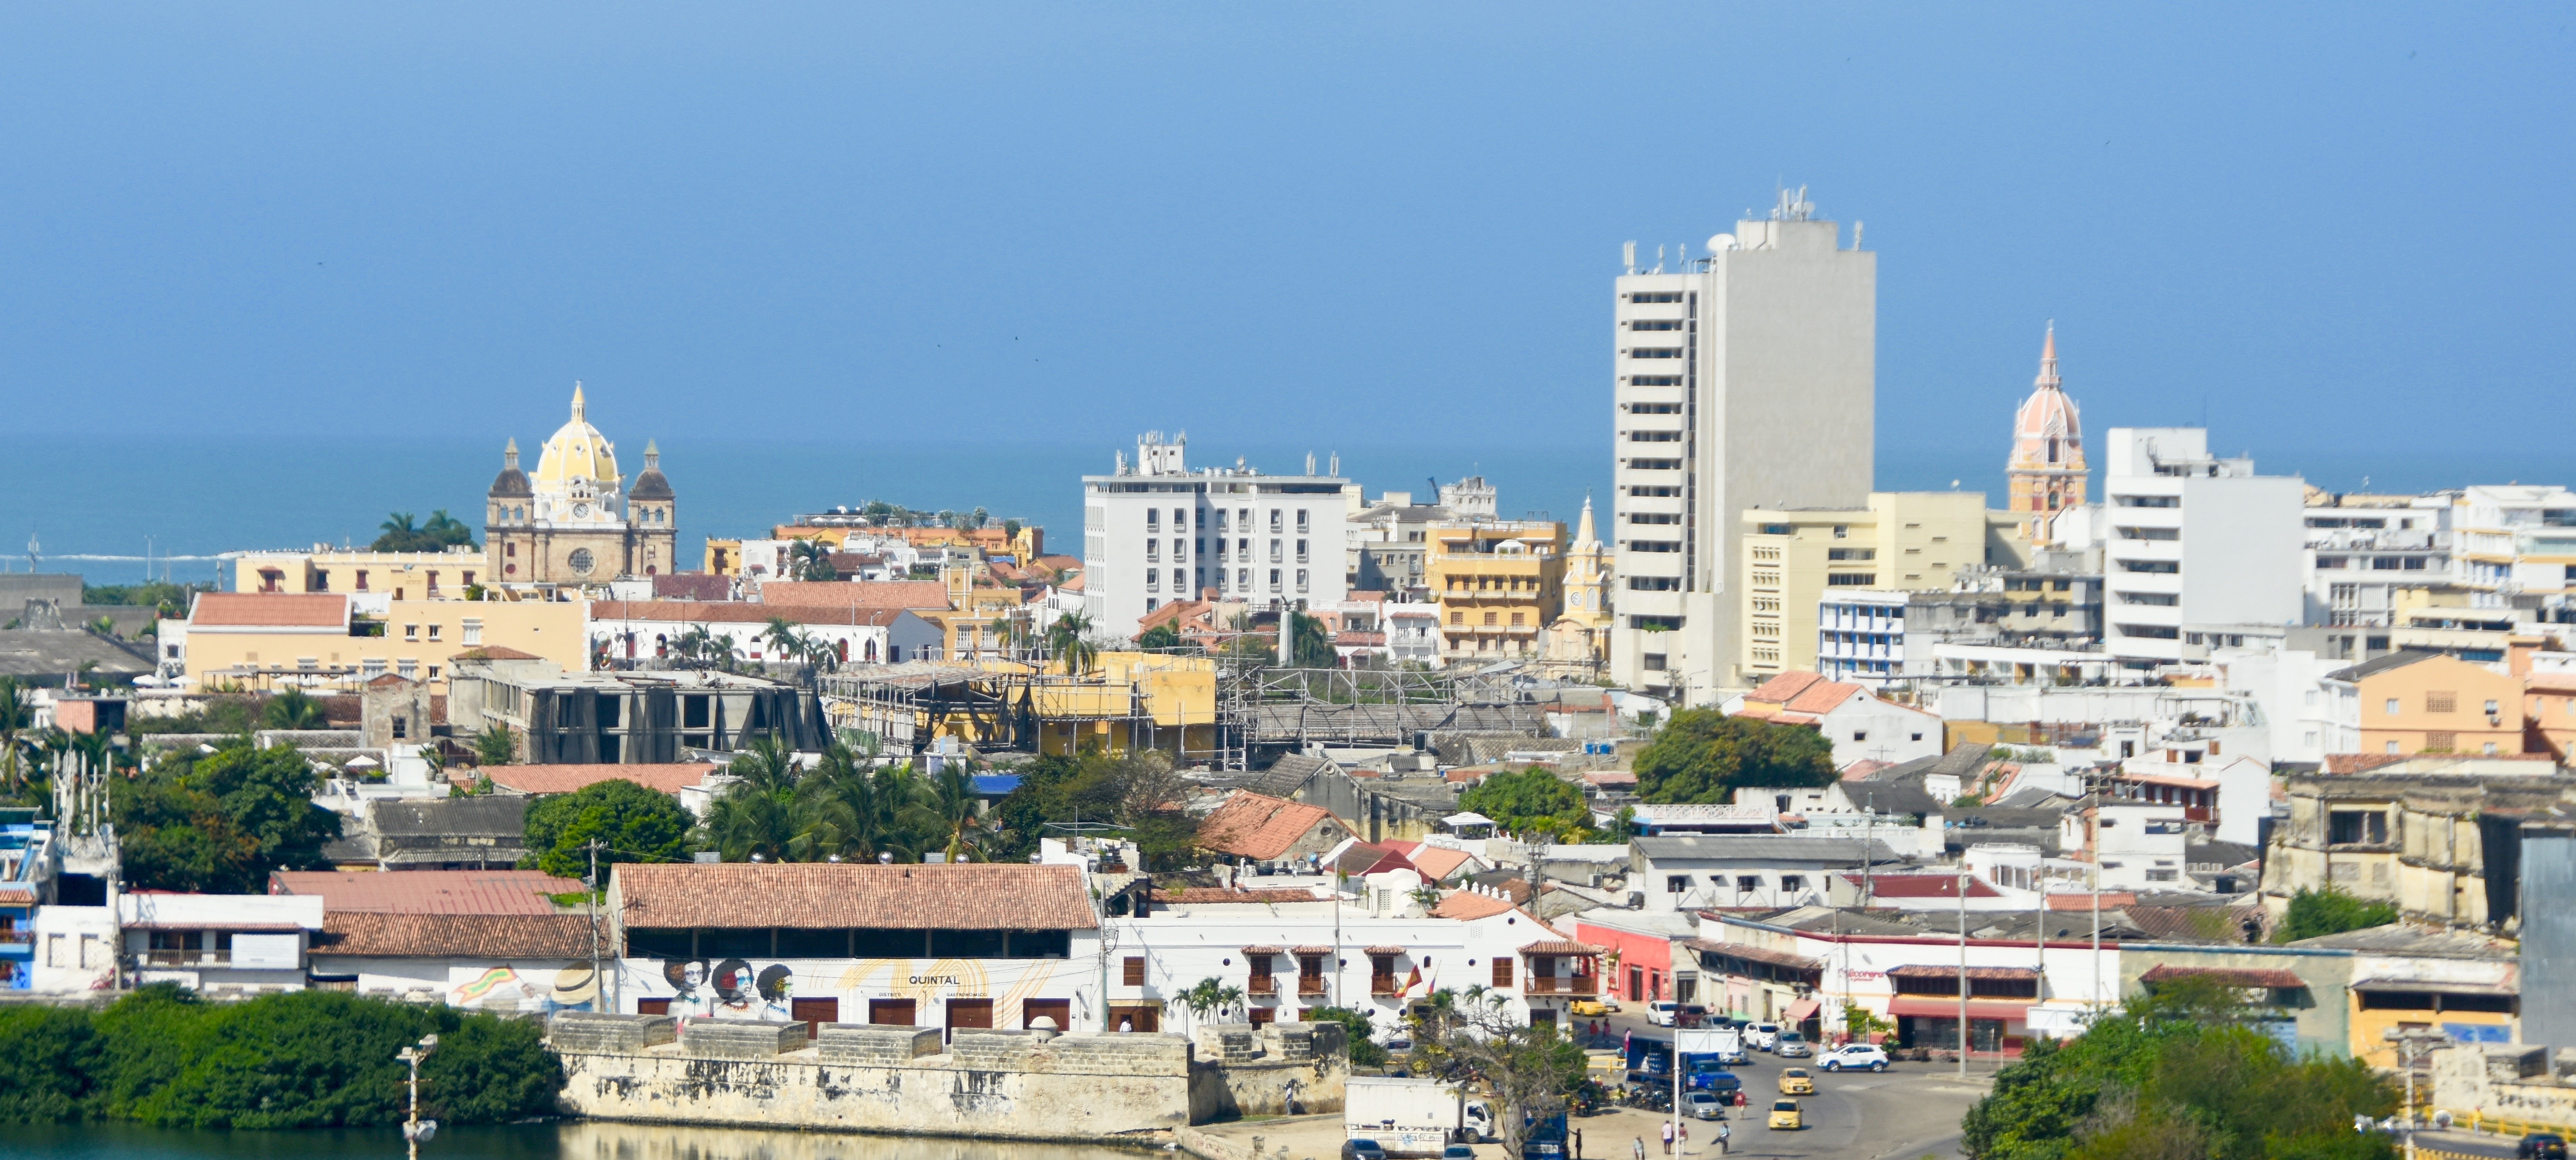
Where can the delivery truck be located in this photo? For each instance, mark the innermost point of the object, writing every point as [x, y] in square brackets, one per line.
[1413, 1117]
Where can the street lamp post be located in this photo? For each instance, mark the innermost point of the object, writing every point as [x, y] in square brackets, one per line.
[2411, 1046]
[416, 1129]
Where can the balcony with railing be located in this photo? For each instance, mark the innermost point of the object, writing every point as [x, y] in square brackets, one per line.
[1385, 986]
[181, 958]
[1264, 985]
[1309, 986]
[1561, 985]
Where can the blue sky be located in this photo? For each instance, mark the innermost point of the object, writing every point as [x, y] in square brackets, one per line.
[2328, 228]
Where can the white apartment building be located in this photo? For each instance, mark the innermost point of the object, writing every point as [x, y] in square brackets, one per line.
[1745, 377]
[2516, 538]
[2362, 549]
[1156, 531]
[2193, 542]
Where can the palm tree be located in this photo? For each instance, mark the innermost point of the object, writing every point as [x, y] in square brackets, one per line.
[747, 821]
[1069, 639]
[1210, 995]
[952, 797]
[781, 635]
[399, 526]
[821, 653]
[811, 560]
[447, 529]
[292, 710]
[15, 717]
[766, 762]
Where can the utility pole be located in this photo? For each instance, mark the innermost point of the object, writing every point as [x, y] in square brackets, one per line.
[1963, 964]
[416, 1129]
[598, 982]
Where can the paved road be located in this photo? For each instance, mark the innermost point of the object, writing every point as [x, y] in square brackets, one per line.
[1904, 1113]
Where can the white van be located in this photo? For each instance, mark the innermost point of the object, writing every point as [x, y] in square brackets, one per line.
[1661, 1012]
[1762, 1036]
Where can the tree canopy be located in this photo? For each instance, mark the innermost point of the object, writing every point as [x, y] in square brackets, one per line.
[2314, 913]
[1132, 791]
[219, 823]
[631, 823]
[2178, 1073]
[1531, 800]
[308, 1059]
[443, 531]
[1702, 755]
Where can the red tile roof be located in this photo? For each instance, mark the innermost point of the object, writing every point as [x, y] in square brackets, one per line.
[1755, 954]
[1437, 862]
[857, 594]
[964, 896]
[1467, 904]
[1822, 697]
[478, 892]
[2110, 901]
[1782, 689]
[1944, 971]
[2227, 976]
[548, 779]
[1260, 827]
[269, 610]
[470, 936]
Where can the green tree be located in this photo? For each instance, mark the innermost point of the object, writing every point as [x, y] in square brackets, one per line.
[1472, 1037]
[1311, 647]
[2177, 1072]
[1212, 996]
[292, 709]
[631, 822]
[1069, 638]
[2314, 913]
[1530, 800]
[495, 745]
[447, 531]
[1160, 638]
[219, 823]
[1365, 1050]
[1703, 755]
[47, 1058]
[16, 718]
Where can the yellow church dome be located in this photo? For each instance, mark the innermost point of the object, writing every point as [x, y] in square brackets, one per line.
[577, 452]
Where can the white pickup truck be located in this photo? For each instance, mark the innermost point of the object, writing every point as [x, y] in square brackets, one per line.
[1413, 1117]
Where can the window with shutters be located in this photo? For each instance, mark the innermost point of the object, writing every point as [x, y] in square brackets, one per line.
[1135, 971]
[1502, 972]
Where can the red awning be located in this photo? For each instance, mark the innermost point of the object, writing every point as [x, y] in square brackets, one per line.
[1940, 1008]
[1800, 1010]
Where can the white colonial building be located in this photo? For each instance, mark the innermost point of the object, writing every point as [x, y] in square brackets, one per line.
[1156, 531]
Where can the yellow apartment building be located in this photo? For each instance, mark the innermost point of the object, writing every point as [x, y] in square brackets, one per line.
[331, 640]
[1127, 702]
[1919, 541]
[2423, 702]
[1497, 583]
[402, 575]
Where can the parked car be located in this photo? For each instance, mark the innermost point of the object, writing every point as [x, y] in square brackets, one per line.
[1458, 1152]
[1661, 1011]
[1854, 1056]
[1588, 1008]
[1704, 1105]
[1796, 1082]
[1760, 1036]
[1785, 1116]
[1791, 1045]
[2542, 1146]
[1362, 1150]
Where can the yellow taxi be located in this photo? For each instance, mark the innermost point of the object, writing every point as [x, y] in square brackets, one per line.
[1589, 1007]
[1796, 1082]
[1784, 1115]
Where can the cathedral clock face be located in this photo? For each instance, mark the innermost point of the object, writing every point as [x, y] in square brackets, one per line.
[581, 561]
[581, 511]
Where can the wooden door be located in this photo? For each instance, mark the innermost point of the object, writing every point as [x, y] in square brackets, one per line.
[814, 1013]
[890, 1012]
[652, 1006]
[969, 1013]
[1264, 1016]
[1060, 1010]
[1138, 1019]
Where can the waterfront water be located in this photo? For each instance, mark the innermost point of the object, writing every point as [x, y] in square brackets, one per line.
[567, 1141]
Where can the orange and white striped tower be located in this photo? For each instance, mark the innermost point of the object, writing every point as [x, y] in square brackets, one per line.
[2047, 471]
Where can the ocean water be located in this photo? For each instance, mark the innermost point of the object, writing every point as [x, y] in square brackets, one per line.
[174, 498]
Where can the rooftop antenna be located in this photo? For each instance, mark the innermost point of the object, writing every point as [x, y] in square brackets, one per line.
[1628, 256]
[1659, 259]
[1856, 228]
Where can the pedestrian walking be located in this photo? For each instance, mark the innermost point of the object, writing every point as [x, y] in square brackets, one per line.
[1578, 1144]
[1637, 1148]
[1685, 1141]
[1723, 1132]
[1668, 1137]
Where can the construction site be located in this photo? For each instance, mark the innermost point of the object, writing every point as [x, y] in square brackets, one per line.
[1215, 712]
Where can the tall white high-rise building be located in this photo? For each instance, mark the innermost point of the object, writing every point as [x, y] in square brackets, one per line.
[1745, 378]
[1156, 531]
[2192, 546]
